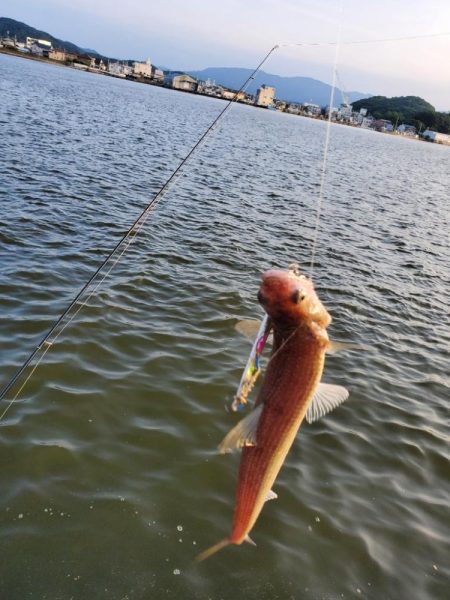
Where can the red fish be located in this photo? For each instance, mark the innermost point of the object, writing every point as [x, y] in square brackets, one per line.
[290, 391]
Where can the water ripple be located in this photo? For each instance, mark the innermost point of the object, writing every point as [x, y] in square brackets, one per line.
[111, 447]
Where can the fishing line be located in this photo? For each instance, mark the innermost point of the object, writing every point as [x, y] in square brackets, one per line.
[45, 344]
[325, 149]
[135, 227]
[403, 38]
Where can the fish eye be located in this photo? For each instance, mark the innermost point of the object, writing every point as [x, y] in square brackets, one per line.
[298, 296]
[260, 297]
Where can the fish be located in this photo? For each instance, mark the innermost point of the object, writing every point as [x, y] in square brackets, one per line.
[290, 392]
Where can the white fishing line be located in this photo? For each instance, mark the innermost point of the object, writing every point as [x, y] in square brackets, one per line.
[326, 148]
[58, 327]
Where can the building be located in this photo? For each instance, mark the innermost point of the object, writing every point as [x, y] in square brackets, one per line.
[119, 69]
[158, 74]
[312, 109]
[142, 69]
[181, 81]
[8, 42]
[57, 55]
[293, 109]
[210, 88]
[407, 129]
[345, 112]
[264, 96]
[366, 122]
[434, 136]
[97, 64]
[232, 95]
[383, 125]
[39, 49]
[41, 43]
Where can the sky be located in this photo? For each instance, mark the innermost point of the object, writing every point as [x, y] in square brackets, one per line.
[195, 34]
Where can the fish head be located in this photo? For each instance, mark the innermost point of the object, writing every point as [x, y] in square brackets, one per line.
[290, 299]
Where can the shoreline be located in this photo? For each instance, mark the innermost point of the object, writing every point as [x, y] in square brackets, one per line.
[146, 81]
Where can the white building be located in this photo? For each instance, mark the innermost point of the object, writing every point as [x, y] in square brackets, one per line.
[345, 112]
[143, 69]
[118, 69]
[158, 74]
[43, 43]
[181, 81]
[434, 136]
[265, 96]
[366, 123]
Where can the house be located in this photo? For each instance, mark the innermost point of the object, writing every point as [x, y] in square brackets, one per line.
[41, 43]
[210, 88]
[366, 122]
[232, 95]
[97, 64]
[83, 59]
[264, 96]
[39, 47]
[406, 129]
[57, 55]
[142, 69]
[383, 125]
[181, 81]
[157, 74]
[313, 109]
[434, 136]
[9, 42]
[345, 112]
[293, 109]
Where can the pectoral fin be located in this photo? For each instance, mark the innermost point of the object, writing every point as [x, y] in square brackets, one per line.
[249, 328]
[335, 347]
[244, 434]
[326, 398]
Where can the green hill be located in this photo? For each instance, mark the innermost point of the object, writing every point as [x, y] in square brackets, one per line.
[406, 109]
[403, 108]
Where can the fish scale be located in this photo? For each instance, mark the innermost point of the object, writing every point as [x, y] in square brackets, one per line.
[290, 391]
[277, 427]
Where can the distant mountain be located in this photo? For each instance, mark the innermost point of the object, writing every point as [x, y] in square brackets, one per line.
[21, 31]
[292, 89]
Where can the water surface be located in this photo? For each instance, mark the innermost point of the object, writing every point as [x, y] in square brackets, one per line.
[110, 478]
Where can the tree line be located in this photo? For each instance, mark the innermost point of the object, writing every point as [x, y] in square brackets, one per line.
[410, 110]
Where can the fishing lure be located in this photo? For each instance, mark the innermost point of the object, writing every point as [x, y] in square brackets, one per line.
[252, 368]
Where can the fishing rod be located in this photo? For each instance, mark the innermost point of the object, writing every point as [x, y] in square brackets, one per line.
[45, 343]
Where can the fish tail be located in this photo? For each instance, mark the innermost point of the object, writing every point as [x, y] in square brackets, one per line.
[210, 551]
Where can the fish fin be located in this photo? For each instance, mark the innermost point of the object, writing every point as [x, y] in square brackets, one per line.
[271, 495]
[335, 347]
[249, 540]
[212, 550]
[326, 398]
[249, 328]
[243, 434]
